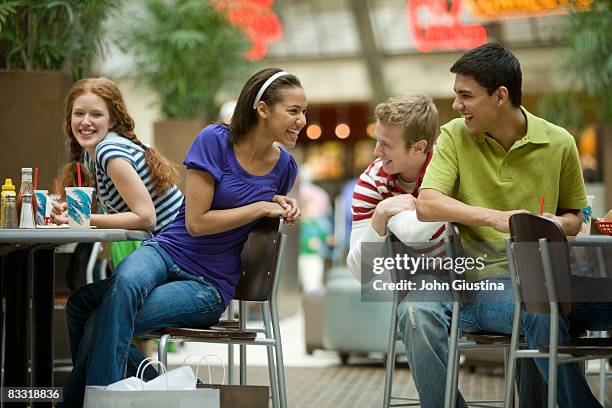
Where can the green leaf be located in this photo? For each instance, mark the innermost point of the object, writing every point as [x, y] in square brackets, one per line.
[53, 35]
[185, 50]
[588, 61]
[6, 9]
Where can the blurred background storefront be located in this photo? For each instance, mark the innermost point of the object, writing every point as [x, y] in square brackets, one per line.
[348, 54]
[351, 54]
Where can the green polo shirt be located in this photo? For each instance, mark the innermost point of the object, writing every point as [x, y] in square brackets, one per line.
[476, 170]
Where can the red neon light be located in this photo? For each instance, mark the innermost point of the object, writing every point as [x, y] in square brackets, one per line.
[256, 18]
[447, 32]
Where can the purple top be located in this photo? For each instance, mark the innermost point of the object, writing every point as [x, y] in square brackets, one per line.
[216, 257]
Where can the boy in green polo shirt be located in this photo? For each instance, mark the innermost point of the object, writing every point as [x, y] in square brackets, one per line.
[496, 160]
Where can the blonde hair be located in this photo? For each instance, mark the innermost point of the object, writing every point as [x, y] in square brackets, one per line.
[415, 113]
[163, 173]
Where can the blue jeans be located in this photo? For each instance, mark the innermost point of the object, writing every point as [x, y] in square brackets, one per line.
[424, 319]
[147, 292]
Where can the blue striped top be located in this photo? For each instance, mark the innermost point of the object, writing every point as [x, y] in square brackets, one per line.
[166, 206]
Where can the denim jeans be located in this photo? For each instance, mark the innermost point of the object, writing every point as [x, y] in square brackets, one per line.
[147, 292]
[424, 319]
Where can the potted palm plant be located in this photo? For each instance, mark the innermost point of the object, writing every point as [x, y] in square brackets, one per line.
[588, 63]
[44, 46]
[186, 51]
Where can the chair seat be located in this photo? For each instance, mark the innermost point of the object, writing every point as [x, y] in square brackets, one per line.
[227, 324]
[213, 332]
[585, 346]
[500, 338]
[489, 338]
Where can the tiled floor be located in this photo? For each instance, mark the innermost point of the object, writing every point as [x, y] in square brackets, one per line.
[294, 349]
[321, 381]
[361, 386]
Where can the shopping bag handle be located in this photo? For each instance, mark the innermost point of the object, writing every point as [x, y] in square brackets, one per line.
[203, 357]
[141, 363]
[192, 355]
[208, 365]
[153, 361]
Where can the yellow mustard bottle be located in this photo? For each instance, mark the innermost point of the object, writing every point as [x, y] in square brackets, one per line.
[7, 189]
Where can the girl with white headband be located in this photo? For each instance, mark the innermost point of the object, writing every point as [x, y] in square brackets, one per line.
[186, 275]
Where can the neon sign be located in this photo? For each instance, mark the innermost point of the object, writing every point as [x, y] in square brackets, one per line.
[447, 32]
[257, 19]
[516, 8]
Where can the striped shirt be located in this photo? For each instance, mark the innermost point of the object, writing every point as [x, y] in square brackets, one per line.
[113, 146]
[375, 185]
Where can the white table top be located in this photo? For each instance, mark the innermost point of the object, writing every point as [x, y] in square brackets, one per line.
[67, 235]
[590, 240]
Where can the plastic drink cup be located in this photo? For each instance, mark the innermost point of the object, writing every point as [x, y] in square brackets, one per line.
[43, 206]
[79, 206]
[587, 215]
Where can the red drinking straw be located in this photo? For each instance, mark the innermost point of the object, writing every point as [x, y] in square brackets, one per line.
[35, 177]
[56, 185]
[541, 205]
[79, 173]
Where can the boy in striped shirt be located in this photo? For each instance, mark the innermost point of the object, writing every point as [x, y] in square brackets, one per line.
[385, 194]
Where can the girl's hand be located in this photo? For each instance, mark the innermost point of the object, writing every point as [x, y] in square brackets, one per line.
[59, 213]
[273, 210]
[291, 205]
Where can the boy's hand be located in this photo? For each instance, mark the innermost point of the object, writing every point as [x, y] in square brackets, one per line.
[388, 207]
[500, 220]
[396, 204]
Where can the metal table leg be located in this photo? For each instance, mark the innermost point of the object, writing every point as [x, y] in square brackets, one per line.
[43, 282]
[16, 359]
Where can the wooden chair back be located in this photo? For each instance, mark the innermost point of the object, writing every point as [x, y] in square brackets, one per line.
[259, 258]
[526, 230]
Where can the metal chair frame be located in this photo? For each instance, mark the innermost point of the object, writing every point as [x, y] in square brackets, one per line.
[556, 308]
[463, 343]
[263, 291]
[456, 342]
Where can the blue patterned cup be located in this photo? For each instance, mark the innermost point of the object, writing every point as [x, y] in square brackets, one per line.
[79, 206]
[42, 206]
[587, 216]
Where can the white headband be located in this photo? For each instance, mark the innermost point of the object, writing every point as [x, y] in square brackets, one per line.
[266, 85]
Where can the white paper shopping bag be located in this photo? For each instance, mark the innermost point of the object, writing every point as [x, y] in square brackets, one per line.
[171, 389]
[100, 397]
[181, 378]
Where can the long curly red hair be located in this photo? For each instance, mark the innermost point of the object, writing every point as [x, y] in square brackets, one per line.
[163, 173]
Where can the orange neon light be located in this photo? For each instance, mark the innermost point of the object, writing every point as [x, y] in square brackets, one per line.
[513, 8]
[447, 32]
[257, 19]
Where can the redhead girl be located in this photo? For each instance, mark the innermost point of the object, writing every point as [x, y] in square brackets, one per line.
[134, 183]
[187, 274]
